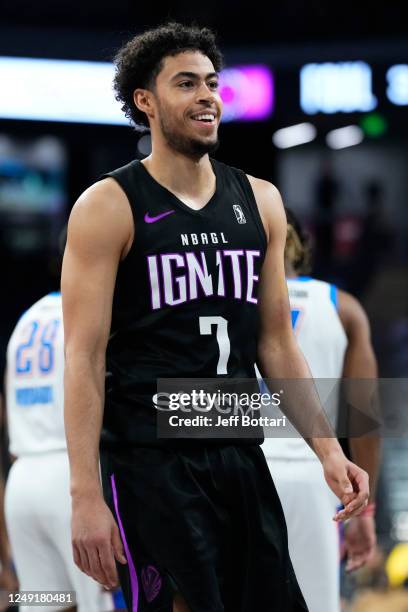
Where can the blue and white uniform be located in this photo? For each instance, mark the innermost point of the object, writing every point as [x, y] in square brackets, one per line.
[37, 499]
[308, 503]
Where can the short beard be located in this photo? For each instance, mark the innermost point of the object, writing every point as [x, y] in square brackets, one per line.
[186, 146]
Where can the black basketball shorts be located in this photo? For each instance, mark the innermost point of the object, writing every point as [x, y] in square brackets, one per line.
[206, 523]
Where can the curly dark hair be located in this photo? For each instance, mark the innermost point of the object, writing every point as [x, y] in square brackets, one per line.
[298, 248]
[140, 60]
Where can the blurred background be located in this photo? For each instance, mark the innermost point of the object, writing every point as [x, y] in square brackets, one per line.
[316, 100]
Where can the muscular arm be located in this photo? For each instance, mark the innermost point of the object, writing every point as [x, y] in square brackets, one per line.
[360, 363]
[99, 234]
[280, 358]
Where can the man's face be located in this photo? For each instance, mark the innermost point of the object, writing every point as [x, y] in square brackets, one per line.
[188, 103]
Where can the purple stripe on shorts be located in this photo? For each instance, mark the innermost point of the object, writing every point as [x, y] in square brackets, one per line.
[134, 584]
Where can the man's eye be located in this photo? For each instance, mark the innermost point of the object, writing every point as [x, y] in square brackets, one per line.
[213, 84]
[186, 84]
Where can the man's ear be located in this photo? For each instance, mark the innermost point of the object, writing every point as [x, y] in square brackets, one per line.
[143, 99]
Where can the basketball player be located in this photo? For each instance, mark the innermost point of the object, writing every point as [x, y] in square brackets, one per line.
[37, 501]
[334, 335]
[160, 280]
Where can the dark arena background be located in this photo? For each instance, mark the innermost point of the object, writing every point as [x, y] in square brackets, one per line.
[316, 101]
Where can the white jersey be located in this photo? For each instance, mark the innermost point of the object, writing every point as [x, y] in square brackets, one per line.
[34, 384]
[323, 341]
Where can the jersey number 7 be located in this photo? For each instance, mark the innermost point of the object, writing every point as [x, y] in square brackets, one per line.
[223, 340]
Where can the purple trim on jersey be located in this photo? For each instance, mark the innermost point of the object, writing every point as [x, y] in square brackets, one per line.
[173, 278]
[254, 277]
[230, 254]
[201, 292]
[134, 584]
[219, 259]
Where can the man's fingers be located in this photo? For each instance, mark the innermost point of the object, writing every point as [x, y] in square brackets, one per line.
[346, 500]
[361, 487]
[360, 480]
[346, 486]
[340, 516]
[358, 475]
[118, 546]
[98, 562]
[358, 559]
[348, 513]
[107, 561]
[343, 486]
[354, 564]
[97, 570]
[84, 560]
[76, 555]
[355, 507]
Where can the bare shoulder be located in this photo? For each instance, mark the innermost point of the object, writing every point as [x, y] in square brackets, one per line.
[264, 189]
[351, 312]
[270, 204]
[101, 216]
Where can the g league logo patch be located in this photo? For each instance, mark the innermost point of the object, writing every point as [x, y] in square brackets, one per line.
[239, 213]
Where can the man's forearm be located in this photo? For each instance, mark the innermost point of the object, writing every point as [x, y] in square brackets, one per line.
[83, 414]
[366, 452]
[363, 405]
[301, 403]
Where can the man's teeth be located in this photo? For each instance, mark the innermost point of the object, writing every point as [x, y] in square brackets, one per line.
[204, 117]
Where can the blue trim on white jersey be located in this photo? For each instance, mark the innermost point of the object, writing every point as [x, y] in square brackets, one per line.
[52, 294]
[333, 295]
[302, 279]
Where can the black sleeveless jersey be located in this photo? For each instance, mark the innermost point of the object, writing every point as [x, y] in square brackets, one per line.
[185, 299]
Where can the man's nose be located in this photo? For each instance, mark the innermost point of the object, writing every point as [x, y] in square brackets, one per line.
[205, 94]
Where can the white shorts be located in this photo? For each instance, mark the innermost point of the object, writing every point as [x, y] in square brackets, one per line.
[38, 516]
[309, 507]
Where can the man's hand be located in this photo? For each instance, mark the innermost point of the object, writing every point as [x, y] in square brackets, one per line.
[348, 482]
[96, 540]
[359, 542]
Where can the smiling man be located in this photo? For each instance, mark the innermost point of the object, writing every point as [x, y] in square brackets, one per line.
[163, 277]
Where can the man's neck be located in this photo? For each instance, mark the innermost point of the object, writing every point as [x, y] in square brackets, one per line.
[182, 175]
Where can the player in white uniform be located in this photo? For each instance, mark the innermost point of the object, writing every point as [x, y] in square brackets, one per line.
[37, 499]
[333, 333]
